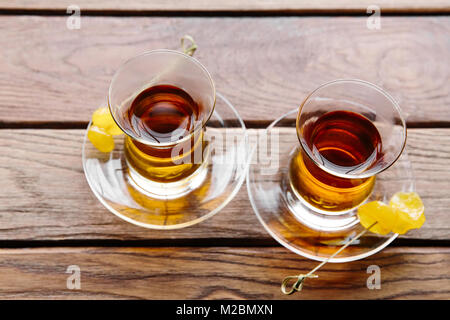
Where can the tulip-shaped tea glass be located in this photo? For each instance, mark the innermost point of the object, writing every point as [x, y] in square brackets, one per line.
[182, 156]
[327, 158]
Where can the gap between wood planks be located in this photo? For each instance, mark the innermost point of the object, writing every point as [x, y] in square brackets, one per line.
[190, 242]
[218, 14]
[225, 8]
[250, 124]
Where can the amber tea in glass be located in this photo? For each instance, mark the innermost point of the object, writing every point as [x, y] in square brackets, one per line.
[164, 113]
[349, 131]
[344, 140]
[161, 100]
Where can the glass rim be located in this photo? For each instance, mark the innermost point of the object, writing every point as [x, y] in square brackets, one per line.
[396, 107]
[195, 129]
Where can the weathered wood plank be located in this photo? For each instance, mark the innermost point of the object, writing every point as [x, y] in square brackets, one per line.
[51, 73]
[217, 273]
[279, 6]
[46, 196]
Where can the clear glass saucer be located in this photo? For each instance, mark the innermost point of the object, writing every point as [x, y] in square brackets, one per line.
[109, 177]
[294, 223]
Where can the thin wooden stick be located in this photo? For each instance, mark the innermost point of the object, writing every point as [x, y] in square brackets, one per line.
[297, 286]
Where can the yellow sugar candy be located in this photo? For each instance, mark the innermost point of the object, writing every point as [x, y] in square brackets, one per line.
[410, 211]
[377, 211]
[404, 212]
[103, 141]
[102, 118]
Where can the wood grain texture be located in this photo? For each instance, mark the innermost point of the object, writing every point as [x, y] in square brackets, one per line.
[46, 196]
[264, 65]
[280, 6]
[217, 273]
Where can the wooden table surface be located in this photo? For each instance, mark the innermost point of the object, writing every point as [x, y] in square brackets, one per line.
[265, 57]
